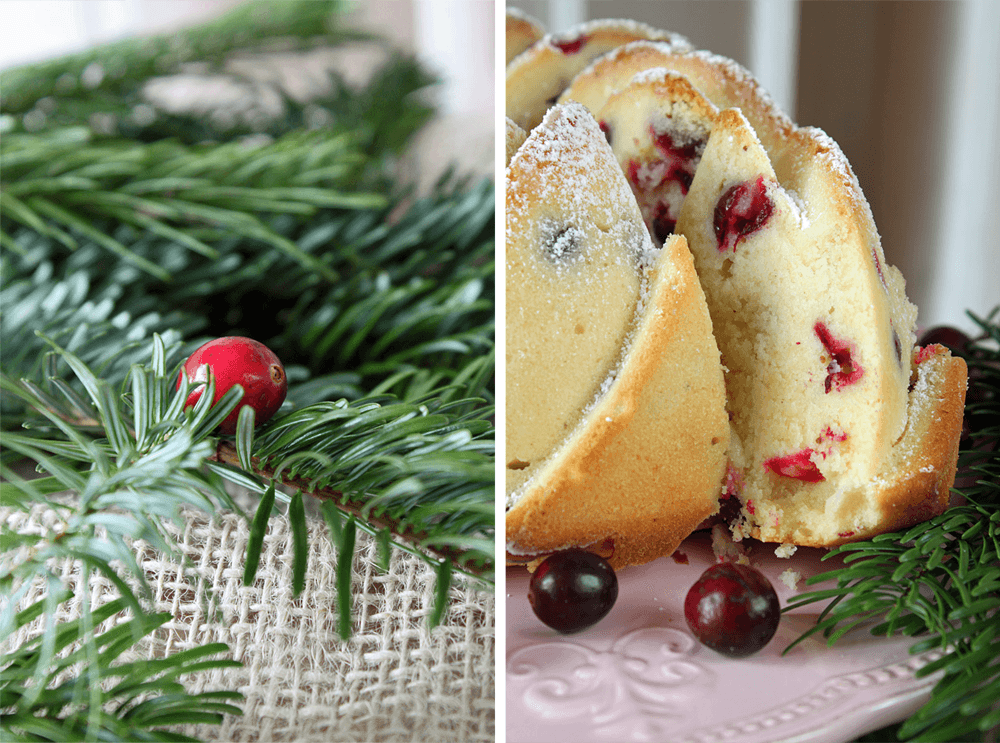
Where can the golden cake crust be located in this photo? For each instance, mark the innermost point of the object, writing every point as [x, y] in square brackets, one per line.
[515, 137]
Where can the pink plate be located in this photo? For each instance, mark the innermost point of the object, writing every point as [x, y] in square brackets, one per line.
[639, 675]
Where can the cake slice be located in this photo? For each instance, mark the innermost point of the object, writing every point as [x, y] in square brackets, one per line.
[815, 331]
[657, 127]
[616, 430]
[537, 77]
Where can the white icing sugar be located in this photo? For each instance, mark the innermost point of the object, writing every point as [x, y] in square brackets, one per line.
[625, 26]
[799, 208]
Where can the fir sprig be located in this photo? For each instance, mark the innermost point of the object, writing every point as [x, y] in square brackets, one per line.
[139, 700]
[64, 185]
[110, 71]
[136, 457]
[150, 446]
[940, 579]
[425, 279]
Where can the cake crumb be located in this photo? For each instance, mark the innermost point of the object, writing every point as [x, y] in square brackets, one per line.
[791, 578]
[785, 550]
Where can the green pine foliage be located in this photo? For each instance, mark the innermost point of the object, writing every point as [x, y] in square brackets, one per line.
[107, 76]
[939, 581]
[123, 248]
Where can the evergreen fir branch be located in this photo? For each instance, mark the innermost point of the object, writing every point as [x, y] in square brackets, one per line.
[429, 272]
[410, 467]
[127, 484]
[61, 183]
[940, 579]
[338, 108]
[425, 466]
[113, 69]
[41, 687]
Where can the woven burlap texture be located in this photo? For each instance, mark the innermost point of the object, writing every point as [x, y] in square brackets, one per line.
[394, 680]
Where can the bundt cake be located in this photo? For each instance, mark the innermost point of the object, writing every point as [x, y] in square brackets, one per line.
[838, 431]
[521, 32]
[537, 77]
[616, 430]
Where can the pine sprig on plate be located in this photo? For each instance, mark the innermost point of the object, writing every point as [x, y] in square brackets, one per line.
[939, 580]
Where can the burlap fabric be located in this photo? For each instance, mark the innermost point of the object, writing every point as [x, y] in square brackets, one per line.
[394, 680]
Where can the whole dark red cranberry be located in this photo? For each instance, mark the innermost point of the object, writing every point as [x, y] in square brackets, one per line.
[733, 609]
[236, 360]
[573, 590]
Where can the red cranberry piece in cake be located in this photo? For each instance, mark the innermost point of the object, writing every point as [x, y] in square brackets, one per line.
[878, 269]
[798, 466]
[741, 211]
[842, 369]
[606, 128]
[925, 352]
[660, 184]
[681, 159]
[570, 46]
[664, 224]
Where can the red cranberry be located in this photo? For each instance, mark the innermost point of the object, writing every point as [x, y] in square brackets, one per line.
[842, 370]
[243, 361]
[733, 609]
[742, 210]
[570, 46]
[606, 128]
[573, 590]
[664, 224]
[798, 466]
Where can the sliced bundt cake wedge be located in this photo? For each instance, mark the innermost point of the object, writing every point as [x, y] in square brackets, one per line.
[815, 331]
[536, 77]
[616, 430]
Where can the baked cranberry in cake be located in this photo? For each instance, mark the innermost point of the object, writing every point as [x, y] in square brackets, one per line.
[798, 466]
[570, 46]
[843, 369]
[606, 128]
[660, 184]
[664, 224]
[742, 210]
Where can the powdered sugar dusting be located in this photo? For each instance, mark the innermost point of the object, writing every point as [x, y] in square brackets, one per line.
[559, 162]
